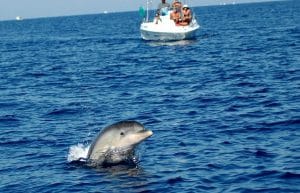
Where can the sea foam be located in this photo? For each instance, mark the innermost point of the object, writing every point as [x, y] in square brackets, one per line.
[77, 152]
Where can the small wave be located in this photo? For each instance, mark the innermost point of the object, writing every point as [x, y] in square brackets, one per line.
[175, 180]
[36, 74]
[282, 123]
[265, 173]
[290, 175]
[226, 143]
[270, 103]
[62, 112]
[78, 152]
[263, 153]
[8, 104]
[9, 118]
[15, 142]
[213, 166]
[262, 90]
[250, 190]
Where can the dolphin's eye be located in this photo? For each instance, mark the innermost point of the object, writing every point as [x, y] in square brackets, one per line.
[122, 133]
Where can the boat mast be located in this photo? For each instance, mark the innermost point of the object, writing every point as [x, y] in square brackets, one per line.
[147, 11]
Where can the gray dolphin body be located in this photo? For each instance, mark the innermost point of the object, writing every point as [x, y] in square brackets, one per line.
[116, 143]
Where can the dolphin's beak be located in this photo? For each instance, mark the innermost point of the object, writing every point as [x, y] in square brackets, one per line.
[147, 133]
[141, 136]
[150, 133]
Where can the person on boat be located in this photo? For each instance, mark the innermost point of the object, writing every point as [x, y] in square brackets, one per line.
[176, 5]
[162, 9]
[186, 15]
[176, 16]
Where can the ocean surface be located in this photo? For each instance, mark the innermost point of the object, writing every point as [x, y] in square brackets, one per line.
[224, 108]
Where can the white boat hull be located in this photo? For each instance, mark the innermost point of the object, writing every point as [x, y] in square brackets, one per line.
[184, 34]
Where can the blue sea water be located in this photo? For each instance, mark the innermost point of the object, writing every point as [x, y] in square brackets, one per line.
[224, 108]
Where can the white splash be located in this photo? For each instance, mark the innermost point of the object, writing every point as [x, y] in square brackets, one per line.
[77, 152]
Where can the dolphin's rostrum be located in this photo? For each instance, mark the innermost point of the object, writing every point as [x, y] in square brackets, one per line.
[116, 143]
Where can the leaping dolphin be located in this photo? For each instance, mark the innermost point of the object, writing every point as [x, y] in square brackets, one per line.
[116, 143]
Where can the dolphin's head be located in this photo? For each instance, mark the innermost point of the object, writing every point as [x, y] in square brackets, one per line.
[125, 134]
[116, 142]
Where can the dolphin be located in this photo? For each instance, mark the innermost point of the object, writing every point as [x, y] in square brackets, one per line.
[116, 143]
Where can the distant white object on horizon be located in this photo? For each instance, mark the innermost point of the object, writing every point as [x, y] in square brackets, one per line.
[105, 12]
[18, 18]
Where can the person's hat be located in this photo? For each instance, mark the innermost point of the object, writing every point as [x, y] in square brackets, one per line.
[185, 6]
